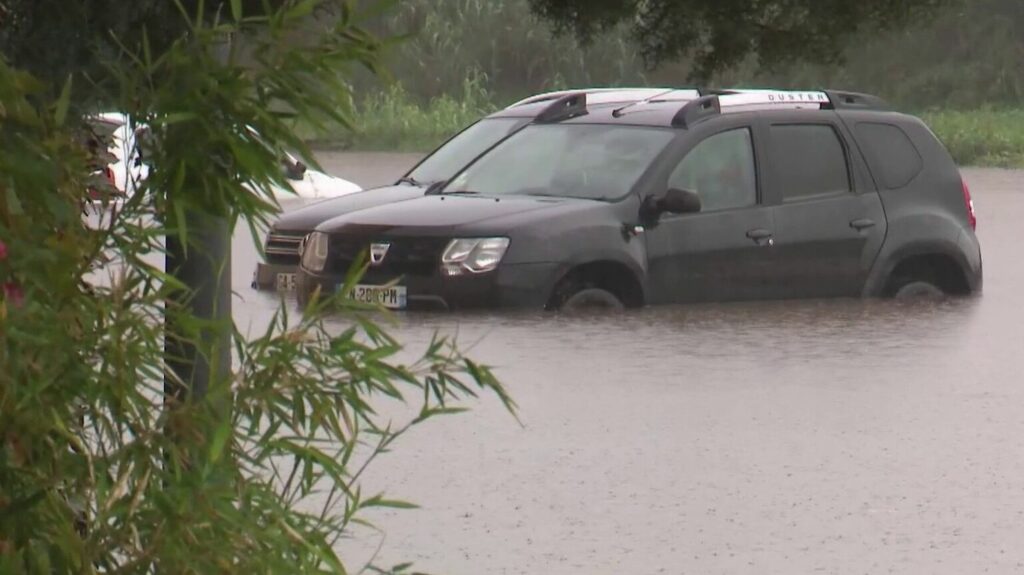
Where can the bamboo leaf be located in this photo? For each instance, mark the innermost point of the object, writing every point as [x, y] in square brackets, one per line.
[63, 102]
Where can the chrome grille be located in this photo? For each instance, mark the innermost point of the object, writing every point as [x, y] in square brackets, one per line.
[416, 256]
[283, 247]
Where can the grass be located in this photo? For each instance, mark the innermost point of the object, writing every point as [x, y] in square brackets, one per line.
[985, 137]
[392, 121]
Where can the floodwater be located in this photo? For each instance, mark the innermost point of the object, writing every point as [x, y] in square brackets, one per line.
[840, 436]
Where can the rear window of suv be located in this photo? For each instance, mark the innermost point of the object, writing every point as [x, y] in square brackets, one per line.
[891, 155]
[808, 160]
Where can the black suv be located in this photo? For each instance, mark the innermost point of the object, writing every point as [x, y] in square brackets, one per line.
[732, 195]
[285, 235]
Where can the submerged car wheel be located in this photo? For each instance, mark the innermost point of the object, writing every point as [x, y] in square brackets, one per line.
[591, 298]
[919, 289]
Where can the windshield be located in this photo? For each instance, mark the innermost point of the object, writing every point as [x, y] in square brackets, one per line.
[447, 160]
[592, 161]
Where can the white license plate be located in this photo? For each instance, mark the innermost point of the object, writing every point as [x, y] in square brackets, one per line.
[285, 282]
[393, 297]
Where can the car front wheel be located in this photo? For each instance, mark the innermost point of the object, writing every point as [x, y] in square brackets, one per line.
[591, 298]
[919, 289]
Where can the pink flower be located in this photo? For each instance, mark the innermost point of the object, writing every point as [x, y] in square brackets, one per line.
[14, 294]
[3, 251]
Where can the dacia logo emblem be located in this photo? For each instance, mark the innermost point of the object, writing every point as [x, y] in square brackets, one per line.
[377, 253]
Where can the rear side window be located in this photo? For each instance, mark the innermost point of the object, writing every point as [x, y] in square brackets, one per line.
[809, 160]
[891, 155]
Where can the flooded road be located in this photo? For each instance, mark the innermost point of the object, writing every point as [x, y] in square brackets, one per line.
[840, 436]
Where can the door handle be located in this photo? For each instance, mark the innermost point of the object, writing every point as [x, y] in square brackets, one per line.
[761, 236]
[862, 224]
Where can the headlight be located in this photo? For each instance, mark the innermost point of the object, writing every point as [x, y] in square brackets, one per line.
[477, 255]
[314, 251]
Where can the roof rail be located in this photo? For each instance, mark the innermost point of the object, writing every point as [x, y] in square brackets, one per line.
[695, 110]
[717, 91]
[713, 102]
[842, 100]
[752, 100]
[564, 108]
[612, 95]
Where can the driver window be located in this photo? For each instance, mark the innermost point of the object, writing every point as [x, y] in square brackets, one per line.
[720, 170]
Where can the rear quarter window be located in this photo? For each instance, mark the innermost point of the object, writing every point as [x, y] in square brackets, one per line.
[891, 155]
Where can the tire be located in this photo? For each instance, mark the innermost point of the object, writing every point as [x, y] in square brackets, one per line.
[919, 289]
[591, 298]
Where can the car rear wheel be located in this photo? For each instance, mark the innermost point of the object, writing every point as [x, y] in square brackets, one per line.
[591, 298]
[919, 289]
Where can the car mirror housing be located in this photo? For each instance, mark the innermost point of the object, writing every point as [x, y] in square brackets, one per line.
[295, 171]
[677, 201]
[674, 201]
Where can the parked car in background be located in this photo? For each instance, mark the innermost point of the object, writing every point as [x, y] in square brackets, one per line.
[281, 248]
[128, 167]
[734, 195]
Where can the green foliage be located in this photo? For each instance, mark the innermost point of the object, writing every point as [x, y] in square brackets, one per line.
[392, 120]
[968, 56]
[472, 56]
[965, 55]
[103, 466]
[718, 34]
[53, 39]
[986, 137]
[501, 45]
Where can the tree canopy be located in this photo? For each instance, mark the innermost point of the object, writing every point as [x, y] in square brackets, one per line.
[717, 34]
[53, 39]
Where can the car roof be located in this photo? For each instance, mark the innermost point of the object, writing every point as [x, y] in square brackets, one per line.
[534, 105]
[679, 107]
[605, 95]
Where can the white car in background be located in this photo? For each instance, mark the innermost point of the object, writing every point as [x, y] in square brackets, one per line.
[128, 168]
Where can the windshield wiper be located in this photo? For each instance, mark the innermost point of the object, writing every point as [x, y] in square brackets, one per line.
[410, 180]
[460, 193]
[565, 197]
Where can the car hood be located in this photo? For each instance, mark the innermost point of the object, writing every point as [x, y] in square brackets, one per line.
[439, 214]
[316, 185]
[306, 218]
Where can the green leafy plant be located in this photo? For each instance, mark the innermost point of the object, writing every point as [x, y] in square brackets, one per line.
[109, 461]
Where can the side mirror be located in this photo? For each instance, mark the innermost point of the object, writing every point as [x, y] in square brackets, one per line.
[674, 201]
[295, 171]
[679, 202]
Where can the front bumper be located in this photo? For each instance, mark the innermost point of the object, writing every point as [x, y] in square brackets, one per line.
[526, 286]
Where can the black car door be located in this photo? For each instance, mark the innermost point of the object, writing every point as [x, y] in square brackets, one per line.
[720, 252]
[829, 220]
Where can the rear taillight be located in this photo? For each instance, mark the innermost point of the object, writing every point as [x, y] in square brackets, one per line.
[971, 217]
[109, 173]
